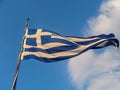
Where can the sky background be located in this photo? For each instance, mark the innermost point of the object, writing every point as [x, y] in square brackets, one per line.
[93, 70]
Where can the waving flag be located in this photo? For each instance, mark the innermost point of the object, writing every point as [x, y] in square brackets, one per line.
[49, 46]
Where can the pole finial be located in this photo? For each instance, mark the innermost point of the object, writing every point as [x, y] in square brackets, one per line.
[27, 20]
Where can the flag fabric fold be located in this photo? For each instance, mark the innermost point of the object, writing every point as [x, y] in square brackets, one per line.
[49, 46]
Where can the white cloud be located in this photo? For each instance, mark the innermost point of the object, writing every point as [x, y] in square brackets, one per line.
[89, 70]
[99, 71]
[108, 19]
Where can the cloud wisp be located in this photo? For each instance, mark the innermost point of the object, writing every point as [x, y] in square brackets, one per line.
[101, 70]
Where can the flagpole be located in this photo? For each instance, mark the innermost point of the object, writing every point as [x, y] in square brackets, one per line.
[19, 61]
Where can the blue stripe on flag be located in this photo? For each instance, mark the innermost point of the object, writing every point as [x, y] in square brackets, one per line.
[87, 42]
[51, 50]
[48, 60]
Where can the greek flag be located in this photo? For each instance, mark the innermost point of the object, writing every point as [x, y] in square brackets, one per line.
[47, 46]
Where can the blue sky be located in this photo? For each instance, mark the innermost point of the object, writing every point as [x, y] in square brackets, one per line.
[67, 17]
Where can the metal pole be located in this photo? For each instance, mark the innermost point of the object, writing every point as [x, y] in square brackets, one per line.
[19, 61]
[16, 76]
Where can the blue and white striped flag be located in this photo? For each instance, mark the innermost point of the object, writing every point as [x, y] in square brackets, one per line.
[48, 46]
